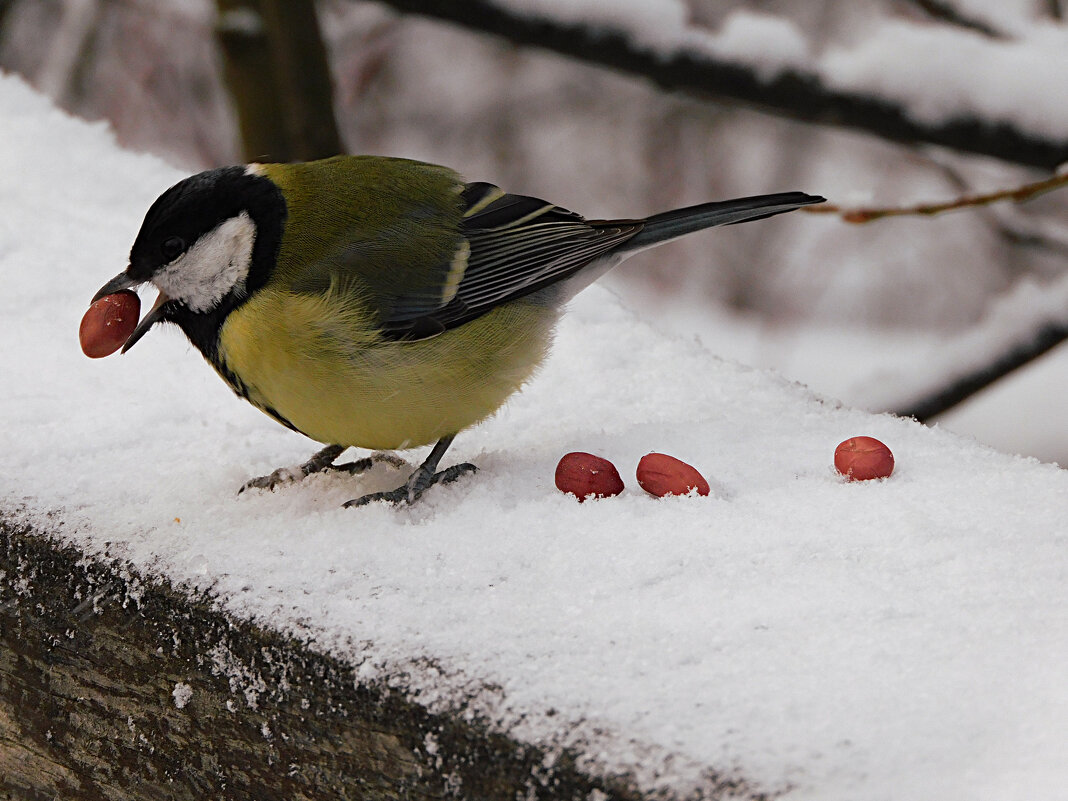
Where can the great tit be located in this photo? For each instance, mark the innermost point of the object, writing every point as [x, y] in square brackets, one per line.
[379, 302]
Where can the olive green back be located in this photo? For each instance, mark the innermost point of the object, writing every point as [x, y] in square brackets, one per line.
[371, 226]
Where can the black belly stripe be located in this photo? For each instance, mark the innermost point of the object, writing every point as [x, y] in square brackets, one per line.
[203, 332]
[241, 390]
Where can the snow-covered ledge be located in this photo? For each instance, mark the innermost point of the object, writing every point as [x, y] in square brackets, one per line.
[793, 636]
[114, 686]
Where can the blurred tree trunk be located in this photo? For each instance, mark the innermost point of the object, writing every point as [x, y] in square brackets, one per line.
[71, 52]
[276, 68]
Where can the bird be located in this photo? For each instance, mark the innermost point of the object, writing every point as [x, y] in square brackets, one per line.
[379, 302]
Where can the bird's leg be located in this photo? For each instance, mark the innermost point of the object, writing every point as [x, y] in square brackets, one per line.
[424, 477]
[319, 463]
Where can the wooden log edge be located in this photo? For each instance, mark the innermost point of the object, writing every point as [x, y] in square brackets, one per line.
[114, 685]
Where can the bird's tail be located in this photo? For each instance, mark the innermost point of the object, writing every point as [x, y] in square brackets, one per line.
[673, 224]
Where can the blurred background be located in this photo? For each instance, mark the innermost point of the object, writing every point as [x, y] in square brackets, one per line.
[870, 314]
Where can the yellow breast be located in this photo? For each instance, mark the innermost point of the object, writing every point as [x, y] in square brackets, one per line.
[317, 361]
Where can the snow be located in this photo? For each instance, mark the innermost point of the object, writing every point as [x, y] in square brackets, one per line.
[182, 694]
[884, 368]
[660, 21]
[900, 639]
[772, 43]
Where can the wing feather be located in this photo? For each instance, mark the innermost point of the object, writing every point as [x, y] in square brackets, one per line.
[514, 245]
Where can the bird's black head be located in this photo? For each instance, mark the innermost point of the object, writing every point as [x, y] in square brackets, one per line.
[207, 243]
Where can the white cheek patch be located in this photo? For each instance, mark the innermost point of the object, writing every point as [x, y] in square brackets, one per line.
[217, 263]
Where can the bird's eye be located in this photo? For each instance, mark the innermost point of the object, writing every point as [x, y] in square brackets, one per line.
[172, 247]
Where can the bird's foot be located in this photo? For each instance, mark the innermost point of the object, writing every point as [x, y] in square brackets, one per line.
[321, 462]
[421, 480]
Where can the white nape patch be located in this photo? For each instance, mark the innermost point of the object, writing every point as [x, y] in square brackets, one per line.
[216, 263]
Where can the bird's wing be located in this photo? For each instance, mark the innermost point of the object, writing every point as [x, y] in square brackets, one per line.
[510, 246]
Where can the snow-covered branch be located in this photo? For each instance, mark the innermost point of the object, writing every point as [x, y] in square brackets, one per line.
[1034, 343]
[935, 85]
[947, 12]
[1028, 322]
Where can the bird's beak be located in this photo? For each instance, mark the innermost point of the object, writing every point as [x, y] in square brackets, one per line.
[124, 281]
[117, 284]
[155, 314]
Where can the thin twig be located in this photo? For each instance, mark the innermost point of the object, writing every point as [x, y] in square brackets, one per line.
[1014, 232]
[1046, 336]
[1017, 195]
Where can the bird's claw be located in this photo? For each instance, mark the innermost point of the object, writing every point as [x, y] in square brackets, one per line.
[419, 483]
[283, 475]
[321, 462]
